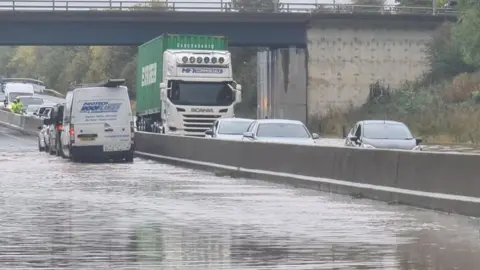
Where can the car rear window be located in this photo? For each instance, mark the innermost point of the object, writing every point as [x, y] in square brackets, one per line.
[386, 131]
[282, 130]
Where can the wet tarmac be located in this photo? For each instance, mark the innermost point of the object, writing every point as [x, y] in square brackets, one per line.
[58, 215]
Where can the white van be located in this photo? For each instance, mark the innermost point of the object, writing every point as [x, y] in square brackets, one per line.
[13, 90]
[97, 122]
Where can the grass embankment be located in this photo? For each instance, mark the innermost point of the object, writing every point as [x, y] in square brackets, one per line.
[446, 113]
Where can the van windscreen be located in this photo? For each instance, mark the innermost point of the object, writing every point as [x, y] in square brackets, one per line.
[93, 111]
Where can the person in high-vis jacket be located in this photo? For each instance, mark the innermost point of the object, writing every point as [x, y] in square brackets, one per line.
[17, 107]
[14, 105]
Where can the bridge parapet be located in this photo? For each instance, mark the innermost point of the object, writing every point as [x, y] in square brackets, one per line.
[216, 6]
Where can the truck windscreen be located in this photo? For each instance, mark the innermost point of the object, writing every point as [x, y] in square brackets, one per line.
[201, 93]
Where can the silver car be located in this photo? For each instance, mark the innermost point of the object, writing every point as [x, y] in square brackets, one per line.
[382, 134]
[279, 131]
[228, 128]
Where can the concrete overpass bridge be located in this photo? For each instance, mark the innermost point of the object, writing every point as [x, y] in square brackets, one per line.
[319, 56]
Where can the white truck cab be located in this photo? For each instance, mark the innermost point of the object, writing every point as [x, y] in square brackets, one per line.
[97, 122]
[197, 88]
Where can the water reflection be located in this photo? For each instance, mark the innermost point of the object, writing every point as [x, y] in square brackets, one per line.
[443, 249]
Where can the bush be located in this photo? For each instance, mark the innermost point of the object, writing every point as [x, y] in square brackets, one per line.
[462, 88]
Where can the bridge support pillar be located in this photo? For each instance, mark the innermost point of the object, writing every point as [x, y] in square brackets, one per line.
[282, 83]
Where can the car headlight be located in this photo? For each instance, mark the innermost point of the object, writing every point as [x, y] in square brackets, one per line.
[368, 146]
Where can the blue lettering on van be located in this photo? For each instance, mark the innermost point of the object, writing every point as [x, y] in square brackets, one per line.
[100, 107]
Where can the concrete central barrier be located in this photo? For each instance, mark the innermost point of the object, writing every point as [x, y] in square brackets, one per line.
[25, 124]
[441, 181]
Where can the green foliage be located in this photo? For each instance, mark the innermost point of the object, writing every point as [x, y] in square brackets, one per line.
[59, 67]
[369, 2]
[256, 5]
[467, 34]
[444, 55]
[415, 3]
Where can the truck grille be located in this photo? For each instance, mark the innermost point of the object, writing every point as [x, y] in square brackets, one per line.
[197, 124]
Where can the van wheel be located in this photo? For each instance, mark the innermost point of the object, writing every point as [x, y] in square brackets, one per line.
[129, 157]
[60, 150]
[74, 158]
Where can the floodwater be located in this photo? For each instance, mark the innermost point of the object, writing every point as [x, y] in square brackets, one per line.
[55, 214]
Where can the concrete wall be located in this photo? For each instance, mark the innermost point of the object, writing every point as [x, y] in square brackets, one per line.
[26, 125]
[346, 56]
[447, 182]
[282, 83]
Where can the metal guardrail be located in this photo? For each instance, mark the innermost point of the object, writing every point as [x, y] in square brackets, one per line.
[212, 6]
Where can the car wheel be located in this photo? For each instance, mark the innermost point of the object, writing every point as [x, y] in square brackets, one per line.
[40, 148]
[50, 149]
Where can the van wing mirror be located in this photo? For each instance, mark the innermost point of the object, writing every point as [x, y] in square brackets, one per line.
[352, 138]
[418, 141]
[248, 135]
[315, 136]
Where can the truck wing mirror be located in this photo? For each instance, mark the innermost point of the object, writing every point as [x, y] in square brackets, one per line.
[163, 85]
[239, 87]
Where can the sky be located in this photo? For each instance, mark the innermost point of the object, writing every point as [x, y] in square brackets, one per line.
[212, 4]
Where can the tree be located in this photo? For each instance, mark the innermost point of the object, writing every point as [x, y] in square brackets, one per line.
[467, 36]
[416, 3]
[158, 5]
[256, 5]
[444, 55]
[369, 2]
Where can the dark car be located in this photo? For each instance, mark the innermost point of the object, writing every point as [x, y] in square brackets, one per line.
[380, 134]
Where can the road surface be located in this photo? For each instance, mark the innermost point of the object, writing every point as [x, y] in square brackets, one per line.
[147, 215]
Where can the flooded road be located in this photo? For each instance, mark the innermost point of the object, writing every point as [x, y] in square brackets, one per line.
[147, 215]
